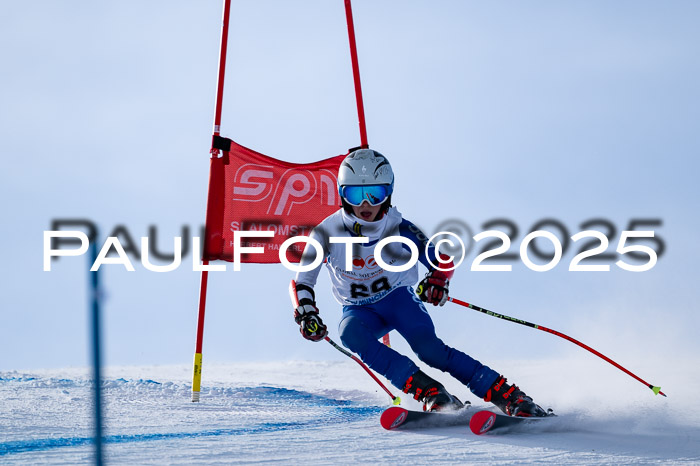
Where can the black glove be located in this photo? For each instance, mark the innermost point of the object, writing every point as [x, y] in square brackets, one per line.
[310, 324]
[433, 288]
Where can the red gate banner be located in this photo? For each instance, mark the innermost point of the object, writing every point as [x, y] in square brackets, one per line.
[249, 191]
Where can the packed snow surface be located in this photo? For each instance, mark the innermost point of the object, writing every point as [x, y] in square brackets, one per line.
[327, 413]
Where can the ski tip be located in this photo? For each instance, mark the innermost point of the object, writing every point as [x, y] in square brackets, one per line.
[482, 421]
[393, 417]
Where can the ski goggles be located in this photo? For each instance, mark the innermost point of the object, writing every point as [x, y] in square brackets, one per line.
[374, 194]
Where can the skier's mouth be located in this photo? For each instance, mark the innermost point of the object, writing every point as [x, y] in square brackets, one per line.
[366, 215]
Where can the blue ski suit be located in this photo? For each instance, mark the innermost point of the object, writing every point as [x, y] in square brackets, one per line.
[376, 301]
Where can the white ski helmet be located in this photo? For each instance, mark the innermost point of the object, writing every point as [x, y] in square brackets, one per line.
[365, 167]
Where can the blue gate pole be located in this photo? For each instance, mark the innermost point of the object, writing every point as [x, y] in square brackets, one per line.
[95, 296]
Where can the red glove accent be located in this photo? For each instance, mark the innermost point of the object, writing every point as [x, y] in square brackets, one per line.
[433, 288]
[446, 274]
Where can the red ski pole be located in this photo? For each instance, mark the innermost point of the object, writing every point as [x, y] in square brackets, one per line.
[295, 303]
[347, 353]
[655, 389]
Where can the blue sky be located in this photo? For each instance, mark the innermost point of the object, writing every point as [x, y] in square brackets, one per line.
[527, 111]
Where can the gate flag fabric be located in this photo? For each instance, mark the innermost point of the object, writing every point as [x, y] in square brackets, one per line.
[251, 191]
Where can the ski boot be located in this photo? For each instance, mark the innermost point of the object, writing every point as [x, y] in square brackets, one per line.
[431, 393]
[513, 401]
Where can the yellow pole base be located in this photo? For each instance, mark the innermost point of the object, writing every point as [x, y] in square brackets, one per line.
[196, 377]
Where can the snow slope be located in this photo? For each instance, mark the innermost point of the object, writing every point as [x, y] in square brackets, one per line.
[328, 413]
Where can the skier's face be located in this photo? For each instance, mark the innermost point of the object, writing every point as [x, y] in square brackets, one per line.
[366, 212]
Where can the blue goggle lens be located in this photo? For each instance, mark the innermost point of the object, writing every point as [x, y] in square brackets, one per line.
[374, 194]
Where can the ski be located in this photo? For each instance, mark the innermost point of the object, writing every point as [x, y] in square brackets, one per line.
[486, 421]
[397, 417]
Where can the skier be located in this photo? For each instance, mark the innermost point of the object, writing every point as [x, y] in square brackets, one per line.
[376, 301]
